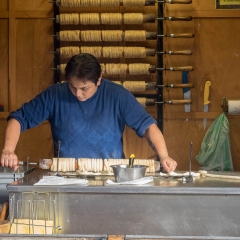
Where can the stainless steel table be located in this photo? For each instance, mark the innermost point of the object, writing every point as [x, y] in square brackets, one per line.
[207, 208]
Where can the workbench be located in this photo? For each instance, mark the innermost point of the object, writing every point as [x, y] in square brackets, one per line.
[207, 208]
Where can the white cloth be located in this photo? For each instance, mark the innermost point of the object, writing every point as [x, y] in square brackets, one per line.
[55, 180]
[134, 182]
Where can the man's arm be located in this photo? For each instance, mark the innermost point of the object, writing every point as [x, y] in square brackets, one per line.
[157, 143]
[12, 134]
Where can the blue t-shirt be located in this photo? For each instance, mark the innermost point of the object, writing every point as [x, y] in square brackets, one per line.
[86, 129]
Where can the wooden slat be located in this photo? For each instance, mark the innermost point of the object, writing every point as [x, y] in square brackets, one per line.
[209, 14]
[4, 63]
[12, 56]
[34, 14]
[28, 14]
[196, 115]
[4, 14]
[4, 115]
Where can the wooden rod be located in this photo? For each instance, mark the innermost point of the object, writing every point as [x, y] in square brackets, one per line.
[12, 57]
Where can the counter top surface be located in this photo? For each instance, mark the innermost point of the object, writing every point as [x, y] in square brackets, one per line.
[160, 184]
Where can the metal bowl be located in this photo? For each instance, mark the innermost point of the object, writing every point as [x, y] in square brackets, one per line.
[124, 173]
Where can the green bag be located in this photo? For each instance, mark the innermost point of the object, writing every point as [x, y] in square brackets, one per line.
[215, 153]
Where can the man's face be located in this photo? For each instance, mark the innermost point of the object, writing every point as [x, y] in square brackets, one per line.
[82, 89]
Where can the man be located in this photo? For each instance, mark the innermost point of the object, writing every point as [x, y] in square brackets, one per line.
[87, 114]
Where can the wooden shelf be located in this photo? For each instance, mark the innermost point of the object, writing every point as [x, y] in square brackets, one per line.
[28, 14]
[196, 115]
[219, 13]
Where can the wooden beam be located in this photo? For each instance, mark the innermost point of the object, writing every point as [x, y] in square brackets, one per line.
[196, 115]
[4, 14]
[34, 14]
[4, 115]
[12, 56]
[209, 13]
[28, 14]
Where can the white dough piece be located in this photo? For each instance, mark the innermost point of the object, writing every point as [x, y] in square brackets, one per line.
[100, 165]
[105, 165]
[68, 162]
[194, 174]
[79, 164]
[59, 165]
[85, 161]
[64, 165]
[73, 165]
[95, 165]
[174, 174]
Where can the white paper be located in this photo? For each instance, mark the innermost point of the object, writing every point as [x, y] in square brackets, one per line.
[55, 180]
[234, 107]
[134, 182]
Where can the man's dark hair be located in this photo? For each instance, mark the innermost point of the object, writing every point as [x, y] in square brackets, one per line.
[83, 66]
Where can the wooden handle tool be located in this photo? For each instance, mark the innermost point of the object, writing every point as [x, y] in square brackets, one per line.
[187, 85]
[206, 93]
[183, 52]
[180, 35]
[176, 102]
[176, 1]
[185, 68]
[173, 18]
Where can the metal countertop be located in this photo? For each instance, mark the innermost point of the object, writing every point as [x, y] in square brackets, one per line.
[8, 175]
[160, 185]
[6, 172]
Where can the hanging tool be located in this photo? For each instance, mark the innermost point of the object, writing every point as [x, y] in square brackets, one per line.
[206, 101]
[180, 35]
[172, 18]
[185, 68]
[176, 102]
[183, 52]
[151, 101]
[224, 104]
[176, 1]
[188, 85]
[186, 91]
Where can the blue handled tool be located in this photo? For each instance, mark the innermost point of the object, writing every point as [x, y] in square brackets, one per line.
[186, 91]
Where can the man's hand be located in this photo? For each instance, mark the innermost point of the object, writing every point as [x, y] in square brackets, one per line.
[169, 165]
[9, 159]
